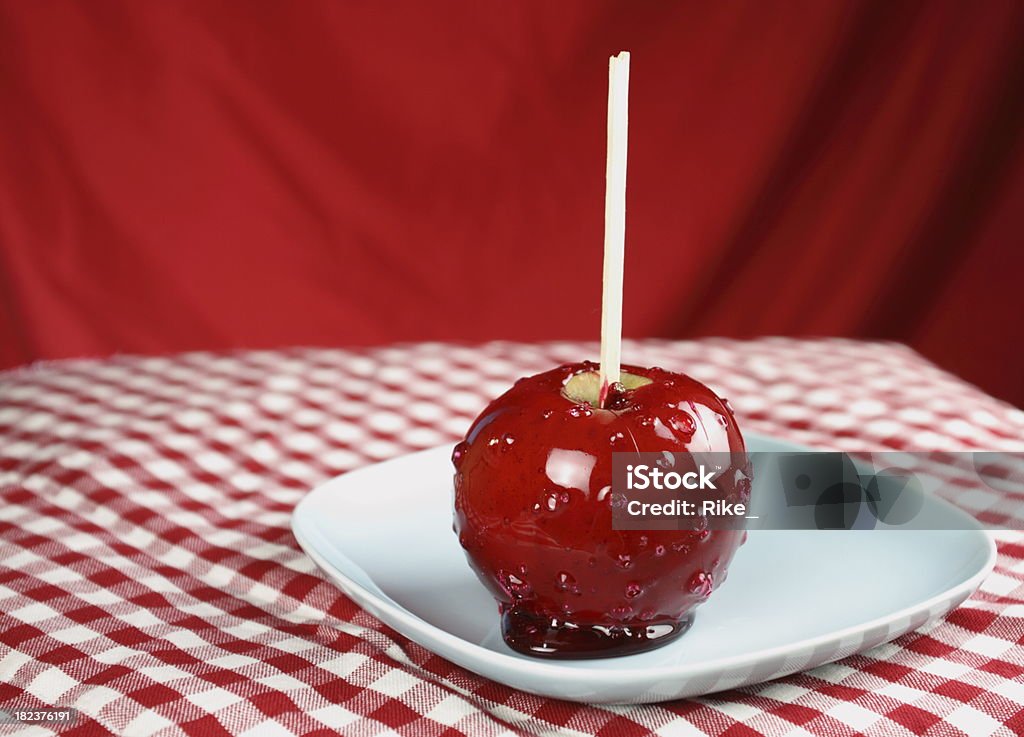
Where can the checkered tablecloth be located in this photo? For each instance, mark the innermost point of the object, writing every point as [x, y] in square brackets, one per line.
[149, 579]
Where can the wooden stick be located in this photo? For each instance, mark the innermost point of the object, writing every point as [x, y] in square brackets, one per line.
[614, 222]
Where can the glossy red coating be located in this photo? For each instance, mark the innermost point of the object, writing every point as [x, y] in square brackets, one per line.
[533, 512]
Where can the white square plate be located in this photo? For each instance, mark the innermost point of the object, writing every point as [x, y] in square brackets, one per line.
[793, 600]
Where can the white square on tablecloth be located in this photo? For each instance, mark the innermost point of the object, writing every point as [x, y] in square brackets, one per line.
[450, 710]
[75, 635]
[213, 699]
[93, 698]
[990, 646]
[394, 683]
[50, 685]
[855, 716]
[973, 722]
[334, 716]
[148, 722]
[37, 611]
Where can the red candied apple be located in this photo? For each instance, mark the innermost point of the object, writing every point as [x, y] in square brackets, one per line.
[533, 510]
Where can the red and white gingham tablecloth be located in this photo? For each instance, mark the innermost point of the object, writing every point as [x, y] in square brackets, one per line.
[149, 579]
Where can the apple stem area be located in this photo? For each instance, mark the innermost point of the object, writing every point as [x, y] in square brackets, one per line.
[585, 387]
[614, 223]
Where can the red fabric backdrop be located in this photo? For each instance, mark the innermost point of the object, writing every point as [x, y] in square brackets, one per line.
[202, 175]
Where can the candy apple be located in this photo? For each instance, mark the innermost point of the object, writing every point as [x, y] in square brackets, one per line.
[533, 478]
[534, 513]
